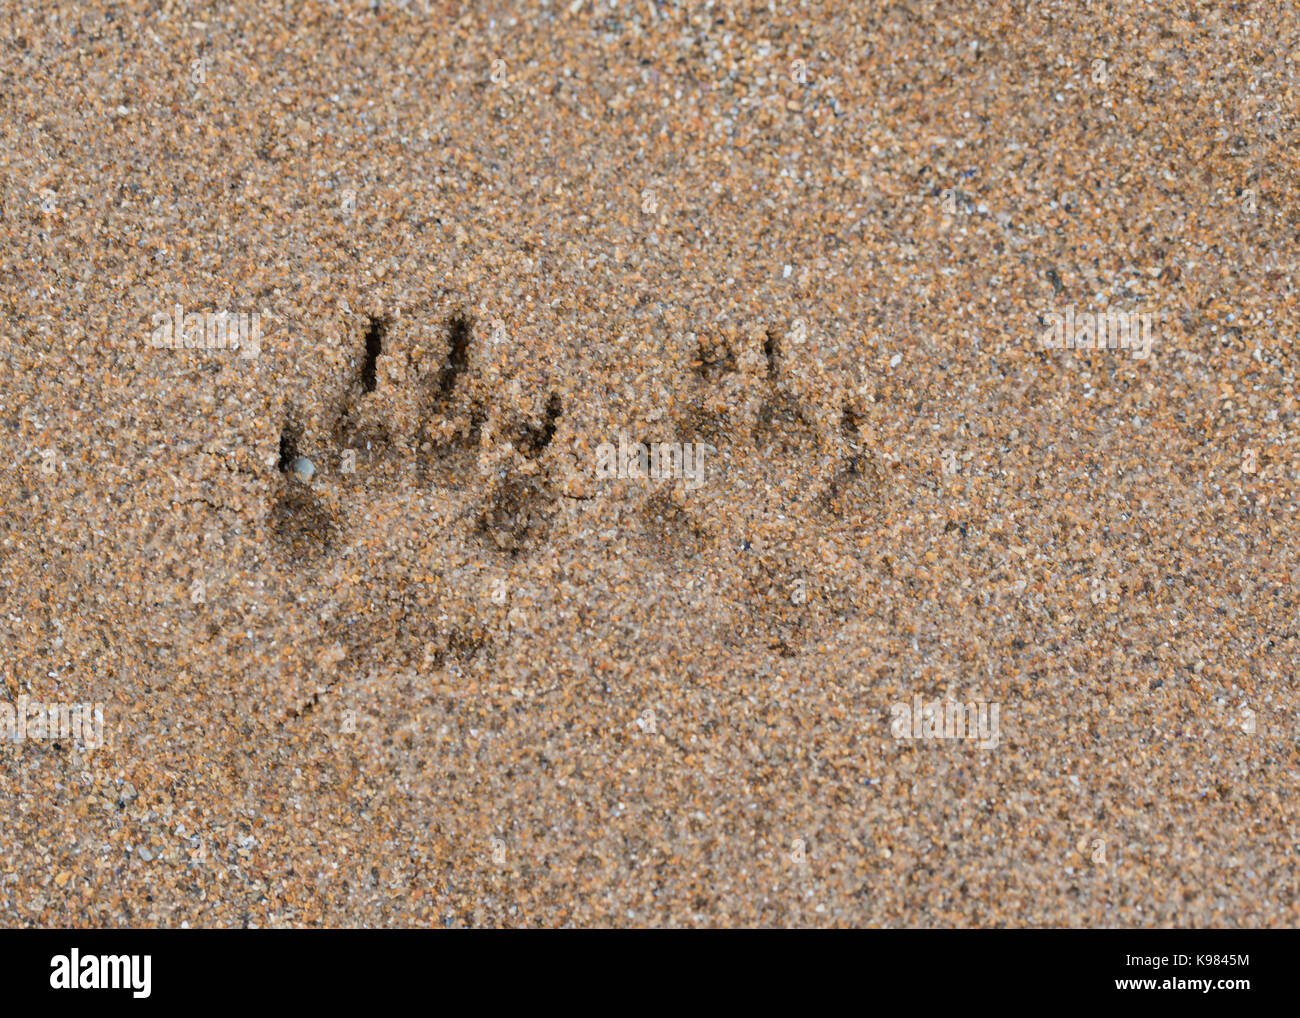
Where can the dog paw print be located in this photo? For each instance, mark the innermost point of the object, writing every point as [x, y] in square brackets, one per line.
[420, 441]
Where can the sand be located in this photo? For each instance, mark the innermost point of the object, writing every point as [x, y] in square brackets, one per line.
[455, 674]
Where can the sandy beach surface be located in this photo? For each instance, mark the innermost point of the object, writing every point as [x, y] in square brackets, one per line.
[330, 338]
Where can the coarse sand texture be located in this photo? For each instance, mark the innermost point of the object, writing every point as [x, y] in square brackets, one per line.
[648, 464]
